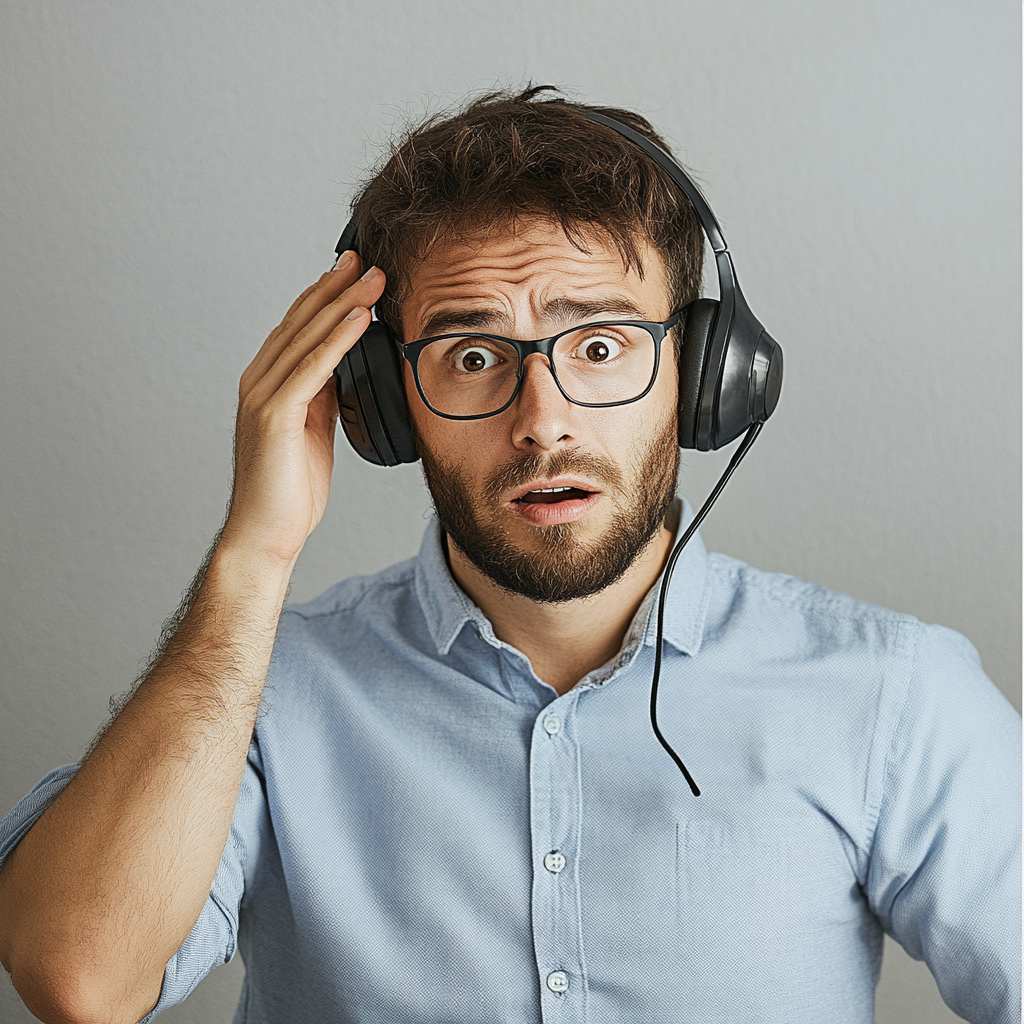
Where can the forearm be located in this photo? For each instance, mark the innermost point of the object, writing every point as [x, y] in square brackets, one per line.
[107, 884]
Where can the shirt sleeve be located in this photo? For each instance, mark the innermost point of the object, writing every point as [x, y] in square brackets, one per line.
[944, 873]
[214, 937]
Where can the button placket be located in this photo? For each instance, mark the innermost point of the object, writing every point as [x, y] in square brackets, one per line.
[555, 825]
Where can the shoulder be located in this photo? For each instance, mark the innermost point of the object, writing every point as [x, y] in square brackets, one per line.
[785, 619]
[350, 595]
[383, 603]
[346, 639]
[759, 600]
[853, 668]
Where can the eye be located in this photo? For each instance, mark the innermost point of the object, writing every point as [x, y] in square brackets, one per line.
[598, 348]
[473, 360]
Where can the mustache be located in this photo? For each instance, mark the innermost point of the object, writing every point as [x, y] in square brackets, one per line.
[527, 466]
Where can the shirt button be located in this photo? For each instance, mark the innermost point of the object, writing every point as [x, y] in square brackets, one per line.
[554, 862]
[552, 726]
[558, 981]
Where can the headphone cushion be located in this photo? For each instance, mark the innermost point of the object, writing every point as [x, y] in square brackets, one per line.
[699, 329]
[373, 410]
[385, 375]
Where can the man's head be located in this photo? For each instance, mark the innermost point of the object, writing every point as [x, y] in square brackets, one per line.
[521, 218]
[509, 156]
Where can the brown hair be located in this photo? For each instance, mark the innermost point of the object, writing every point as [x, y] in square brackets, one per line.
[506, 156]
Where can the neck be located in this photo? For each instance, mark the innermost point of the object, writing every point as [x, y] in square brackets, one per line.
[565, 641]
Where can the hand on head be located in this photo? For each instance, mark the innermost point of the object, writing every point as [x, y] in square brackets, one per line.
[287, 413]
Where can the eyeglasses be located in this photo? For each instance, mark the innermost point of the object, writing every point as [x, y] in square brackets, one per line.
[469, 376]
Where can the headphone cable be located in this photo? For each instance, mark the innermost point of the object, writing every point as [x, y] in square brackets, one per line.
[670, 565]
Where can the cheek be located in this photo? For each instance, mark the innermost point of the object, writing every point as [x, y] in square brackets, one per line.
[664, 396]
[474, 446]
[429, 429]
[629, 428]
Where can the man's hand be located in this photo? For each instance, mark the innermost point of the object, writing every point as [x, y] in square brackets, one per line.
[287, 414]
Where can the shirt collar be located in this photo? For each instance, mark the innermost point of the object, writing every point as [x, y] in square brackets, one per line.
[445, 605]
[687, 601]
[447, 608]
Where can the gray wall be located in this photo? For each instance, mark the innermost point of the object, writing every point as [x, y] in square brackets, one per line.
[174, 173]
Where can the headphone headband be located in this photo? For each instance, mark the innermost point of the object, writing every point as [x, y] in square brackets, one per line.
[671, 166]
[730, 370]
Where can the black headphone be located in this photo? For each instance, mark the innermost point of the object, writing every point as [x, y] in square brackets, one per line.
[730, 368]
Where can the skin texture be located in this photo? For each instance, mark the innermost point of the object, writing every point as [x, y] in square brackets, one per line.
[516, 286]
[109, 881]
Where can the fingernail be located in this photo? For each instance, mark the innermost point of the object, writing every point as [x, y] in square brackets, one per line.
[343, 260]
[356, 313]
[372, 272]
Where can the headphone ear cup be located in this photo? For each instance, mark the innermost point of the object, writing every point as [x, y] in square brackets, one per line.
[698, 331]
[371, 399]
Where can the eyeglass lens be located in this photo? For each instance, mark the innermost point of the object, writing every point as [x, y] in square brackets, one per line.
[474, 376]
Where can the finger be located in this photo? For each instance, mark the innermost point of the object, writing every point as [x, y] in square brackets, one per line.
[319, 294]
[314, 370]
[314, 298]
[347, 267]
[364, 293]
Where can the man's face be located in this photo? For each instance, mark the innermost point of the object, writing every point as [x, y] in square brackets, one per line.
[491, 479]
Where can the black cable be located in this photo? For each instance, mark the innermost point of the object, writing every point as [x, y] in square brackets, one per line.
[670, 565]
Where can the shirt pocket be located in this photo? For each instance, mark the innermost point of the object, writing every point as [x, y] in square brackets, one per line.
[766, 887]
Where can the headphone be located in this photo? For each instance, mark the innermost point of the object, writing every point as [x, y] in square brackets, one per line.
[730, 368]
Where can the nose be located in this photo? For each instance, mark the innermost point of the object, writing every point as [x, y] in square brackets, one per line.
[543, 416]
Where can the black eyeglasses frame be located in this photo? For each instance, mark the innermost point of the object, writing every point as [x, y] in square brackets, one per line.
[545, 346]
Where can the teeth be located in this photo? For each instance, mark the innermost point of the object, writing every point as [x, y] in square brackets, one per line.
[550, 490]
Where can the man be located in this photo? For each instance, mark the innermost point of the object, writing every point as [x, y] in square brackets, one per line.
[433, 795]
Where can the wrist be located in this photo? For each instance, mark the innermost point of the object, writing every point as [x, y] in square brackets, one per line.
[243, 572]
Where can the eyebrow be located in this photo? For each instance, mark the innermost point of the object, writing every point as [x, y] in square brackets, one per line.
[560, 311]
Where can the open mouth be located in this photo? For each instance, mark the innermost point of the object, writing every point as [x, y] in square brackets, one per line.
[554, 504]
[550, 495]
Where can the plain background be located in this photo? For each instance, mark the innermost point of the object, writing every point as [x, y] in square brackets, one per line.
[174, 173]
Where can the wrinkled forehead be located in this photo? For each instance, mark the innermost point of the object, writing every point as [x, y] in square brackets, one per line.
[529, 279]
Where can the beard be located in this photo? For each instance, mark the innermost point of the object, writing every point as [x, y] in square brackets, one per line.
[562, 567]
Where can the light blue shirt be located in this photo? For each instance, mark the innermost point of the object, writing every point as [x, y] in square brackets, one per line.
[427, 832]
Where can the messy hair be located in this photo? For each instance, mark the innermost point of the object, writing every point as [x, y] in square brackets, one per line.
[507, 156]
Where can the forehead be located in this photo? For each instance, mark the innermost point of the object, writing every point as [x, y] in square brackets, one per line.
[535, 276]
